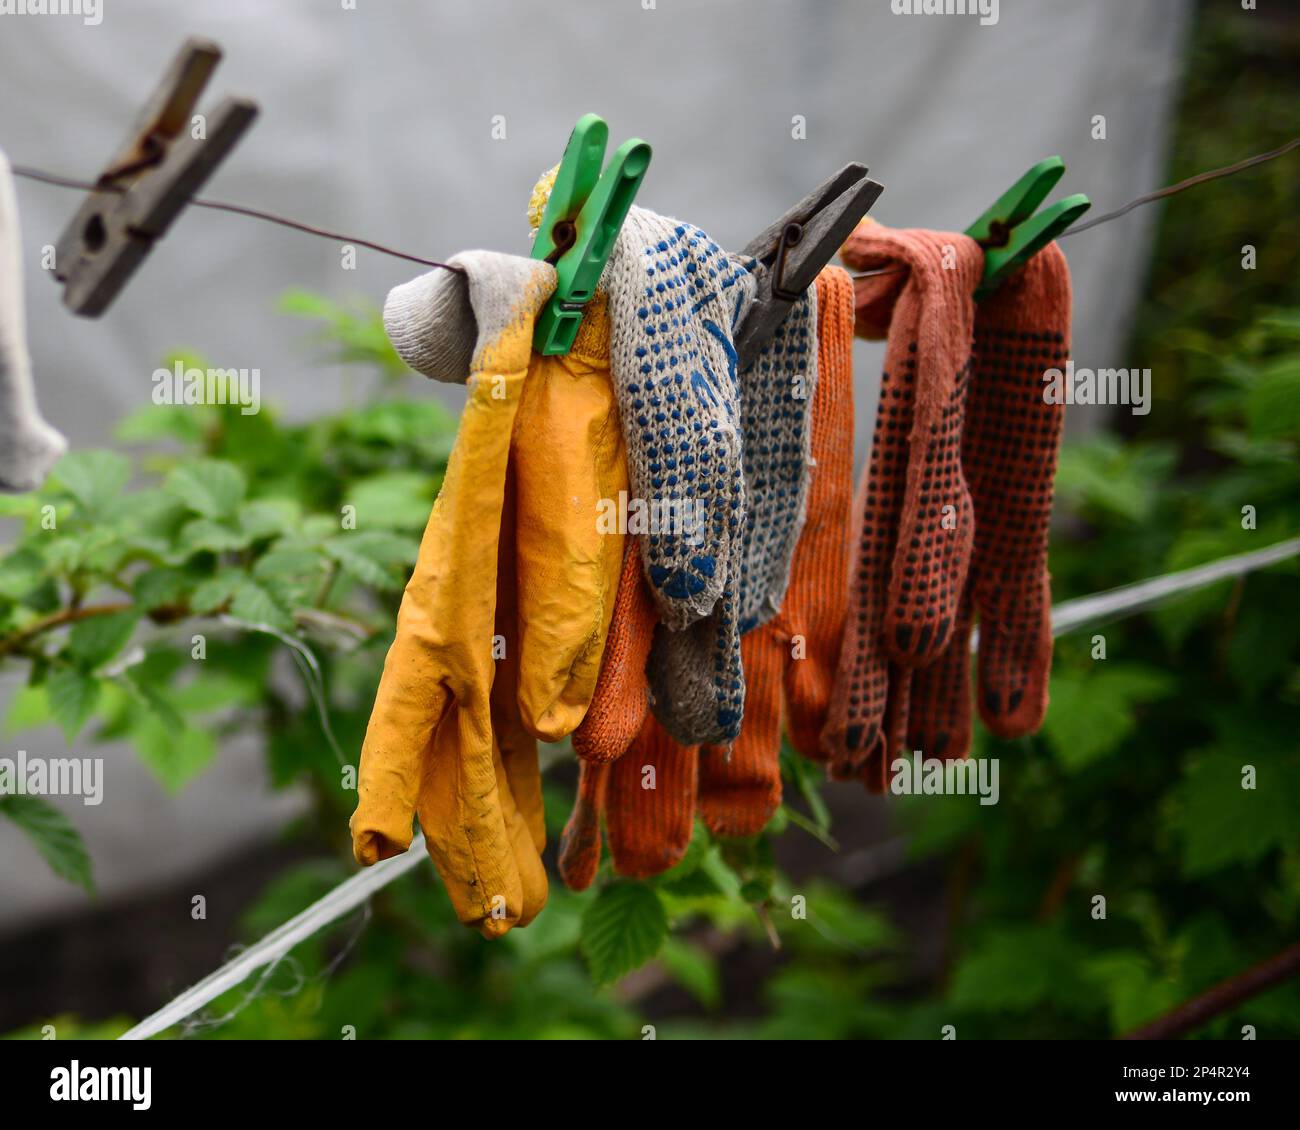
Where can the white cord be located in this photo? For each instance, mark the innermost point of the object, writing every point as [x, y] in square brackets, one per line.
[350, 893]
[354, 891]
[1143, 594]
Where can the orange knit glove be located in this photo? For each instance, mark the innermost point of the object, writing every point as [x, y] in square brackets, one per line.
[793, 658]
[912, 519]
[1009, 455]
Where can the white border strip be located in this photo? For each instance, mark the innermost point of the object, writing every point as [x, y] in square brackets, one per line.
[352, 892]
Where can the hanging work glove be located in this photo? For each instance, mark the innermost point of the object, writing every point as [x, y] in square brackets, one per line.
[538, 512]
[674, 298]
[792, 660]
[567, 454]
[430, 745]
[29, 447]
[696, 674]
[912, 521]
[649, 795]
[1009, 452]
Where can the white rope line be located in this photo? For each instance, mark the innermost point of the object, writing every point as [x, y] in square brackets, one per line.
[1143, 594]
[352, 892]
[348, 895]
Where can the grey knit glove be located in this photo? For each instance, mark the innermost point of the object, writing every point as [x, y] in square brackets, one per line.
[696, 675]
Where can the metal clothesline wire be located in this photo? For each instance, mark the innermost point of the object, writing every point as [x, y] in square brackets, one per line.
[43, 177]
[353, 891]
[1147, 198]
[311, 229]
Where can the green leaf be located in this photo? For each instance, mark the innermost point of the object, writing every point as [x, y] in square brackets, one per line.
[269, 517]
[73, 695]
[21, 572]
[160, 587]
[174, 756]
[210, 487]
[254, 604]
[380, 560]
[53, 835]
[292, 573]
[622, 929]
[216, 691]
[694, 969]
[1223, 823]
[392, 501]
[1273, 401]
[1092, 711]
[94, 641]
[28, 708]
[1023, 968]
[98, 549]
[148, 696]
[93, 478]
[308, 304]
[1115, 479]
[18, 505]
[202, 535]
[1135, 992]
[211, 594]
[151, 422]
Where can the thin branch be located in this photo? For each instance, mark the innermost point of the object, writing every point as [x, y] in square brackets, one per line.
[15, 640]
[1223, 997]
[1059, 887]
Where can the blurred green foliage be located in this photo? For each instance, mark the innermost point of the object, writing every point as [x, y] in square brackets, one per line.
[236, 528]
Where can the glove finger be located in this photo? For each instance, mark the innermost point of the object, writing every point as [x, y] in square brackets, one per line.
[875, 773]
[939, 723]
[740, 788]
[650, 803]
[465, 825]
[697, 681]
[622, 696]
[874, 296]
[853, 730]
[522, 814]
[579, 857]
[1015, 662]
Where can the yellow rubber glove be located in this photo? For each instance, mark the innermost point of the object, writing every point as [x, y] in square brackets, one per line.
[430, 745]
[570, 467]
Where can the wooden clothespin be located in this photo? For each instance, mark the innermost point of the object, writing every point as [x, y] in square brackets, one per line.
[1009, 231]
[791, 251]
[161, 165]
[581, 221]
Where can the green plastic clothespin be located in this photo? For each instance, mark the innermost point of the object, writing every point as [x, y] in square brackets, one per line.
[581, 221]
[1011, 234]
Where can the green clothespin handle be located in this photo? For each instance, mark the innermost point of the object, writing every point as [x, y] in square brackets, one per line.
[581, 221]
[1009, 231]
